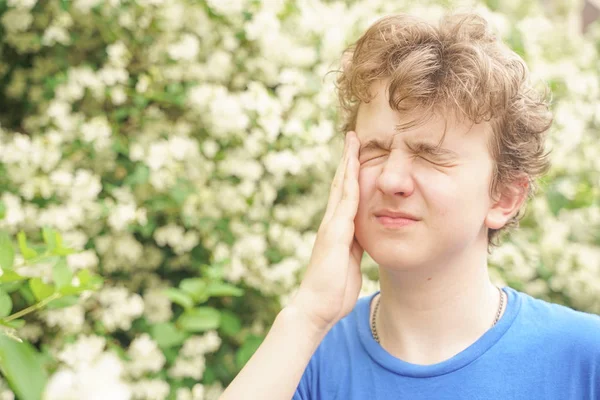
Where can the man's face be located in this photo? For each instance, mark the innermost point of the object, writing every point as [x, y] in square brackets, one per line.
[448, 193]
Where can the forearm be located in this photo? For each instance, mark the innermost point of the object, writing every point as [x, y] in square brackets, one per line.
[275, 369]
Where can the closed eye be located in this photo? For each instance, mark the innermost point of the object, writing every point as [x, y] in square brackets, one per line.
[372, 158]
[416, 155]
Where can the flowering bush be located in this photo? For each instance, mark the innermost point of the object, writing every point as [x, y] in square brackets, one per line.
[37, 277]
[185, 150]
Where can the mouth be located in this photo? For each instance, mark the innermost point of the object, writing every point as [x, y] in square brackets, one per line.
[395, 222]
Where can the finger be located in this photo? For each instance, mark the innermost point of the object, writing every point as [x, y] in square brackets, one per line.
[348, 204]
[335, 191]
[356, 251]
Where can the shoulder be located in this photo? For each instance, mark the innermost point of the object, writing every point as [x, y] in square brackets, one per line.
[561, 323]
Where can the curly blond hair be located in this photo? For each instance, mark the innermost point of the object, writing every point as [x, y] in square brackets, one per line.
[457, 66]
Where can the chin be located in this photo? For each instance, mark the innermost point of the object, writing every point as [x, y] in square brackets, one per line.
[394, 253]
[395, 259]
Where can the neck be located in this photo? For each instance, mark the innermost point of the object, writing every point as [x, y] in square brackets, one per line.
[428, 314]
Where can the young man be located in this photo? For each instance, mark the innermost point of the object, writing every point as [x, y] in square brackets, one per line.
[445, 140]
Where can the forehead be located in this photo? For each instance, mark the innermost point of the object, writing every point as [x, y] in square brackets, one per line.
[377, 121]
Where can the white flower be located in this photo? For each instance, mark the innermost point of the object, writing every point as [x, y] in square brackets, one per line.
[237, 164]
[322, 132]
[118, 55]
[83, 260]
[227, 7]
[280, 163]
[262, 24]
[157, 306]
[210, 148]
[226, 114]
[97, 129]
[150, 389]
[31, 332]
[199, 345]
[56, 34]
[16, 20]
[68, 319]
[110, 76]
[118, 308]
[219, 65]
[186, 49]
[26, 4]
[175, 237]
[121, 216]
[158, 155]
[77, 240]
[98, 379]
[188, 367]
[118, 95]
[142, 84]
[85, 6]
[83, 351]
[145, 356]
[250, 245]
[198, 392]
[180, 147]
[85, 186]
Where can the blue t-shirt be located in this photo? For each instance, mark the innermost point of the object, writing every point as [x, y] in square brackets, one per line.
[537, 350]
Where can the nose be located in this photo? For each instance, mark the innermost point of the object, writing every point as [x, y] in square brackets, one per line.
[396, 177]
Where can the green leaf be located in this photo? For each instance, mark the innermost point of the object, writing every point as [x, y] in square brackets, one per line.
[251, 344]
[49, 236]
[7, 252]
[58, 238]
[5, 304]
[223, 289]
[89, 281]
[25, 250]
[62, 251]
[180, 192]
[167, 335]
[196, 288]
[10, 332]
[556, 201]
[21, 366]
[40, 289]
[230, 323]
[61, 273]
[63, 302]
[179, 297]
[15, 323]
[84, 277]
[199, 319]
[11, 276]
[27, 294]
[139, 176]
[10, 287]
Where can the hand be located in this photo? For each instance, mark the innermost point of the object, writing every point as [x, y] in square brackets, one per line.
[332, 282]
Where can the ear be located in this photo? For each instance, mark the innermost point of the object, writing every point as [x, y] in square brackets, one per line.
[507, 202]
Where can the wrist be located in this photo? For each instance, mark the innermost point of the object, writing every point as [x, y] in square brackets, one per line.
[294, 314]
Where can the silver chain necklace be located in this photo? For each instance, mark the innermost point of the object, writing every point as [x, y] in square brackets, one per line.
[374, 328]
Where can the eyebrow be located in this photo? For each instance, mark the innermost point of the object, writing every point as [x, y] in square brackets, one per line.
[415, 145]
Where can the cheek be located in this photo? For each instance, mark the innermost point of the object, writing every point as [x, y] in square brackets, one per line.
[366, 183]
[454, 197]
[440, 190]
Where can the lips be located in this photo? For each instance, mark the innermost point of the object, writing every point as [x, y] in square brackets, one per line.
[395, 214]
[395, 223]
